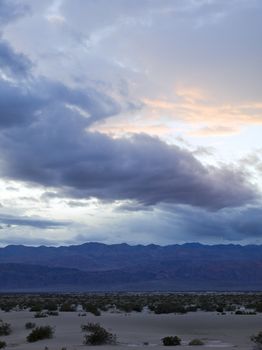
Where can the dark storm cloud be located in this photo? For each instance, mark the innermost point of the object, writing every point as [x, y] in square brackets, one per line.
[24, 97]
[12, 63]
[232, 224]
[10, 220]
[57, 151]
[248, 223]
[17, 105]
[24, 103]
[48, 144]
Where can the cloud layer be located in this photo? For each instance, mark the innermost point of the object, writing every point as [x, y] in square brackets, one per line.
[46, 141]
[133, 69]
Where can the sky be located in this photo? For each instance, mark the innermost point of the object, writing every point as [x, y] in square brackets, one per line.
[136, 121]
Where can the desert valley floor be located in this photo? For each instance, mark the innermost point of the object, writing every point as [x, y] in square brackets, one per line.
[137, 330]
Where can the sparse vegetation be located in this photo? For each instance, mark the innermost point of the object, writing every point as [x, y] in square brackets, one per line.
[89, 307]
[239, 312]
[5, 328]
[90, 327]
[50, 306]
[36, 308]
[40, 315]
[29, 325]
[167, 308]
[67, 307]
[258, 307]
[39, 333]
[2, 344]
[162, 303]
[97, 335]
[257, 339]
[157, 303]
[52, 313]
[171, 341]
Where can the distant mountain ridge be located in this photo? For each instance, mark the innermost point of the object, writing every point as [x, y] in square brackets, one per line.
[101, 267]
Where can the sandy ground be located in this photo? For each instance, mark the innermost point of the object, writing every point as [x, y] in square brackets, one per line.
[132, 330]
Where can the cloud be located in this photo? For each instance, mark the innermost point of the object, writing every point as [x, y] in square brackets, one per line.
[172, 224]
[58, 115]
[11, 63]
[77, 204]
[132, 206]
[219, 119]
[25, 102]
[253, 161]
[19, 105]
[11, 220]
[23, 240]
[229, 224]
[58, 151]
[11, 10]
[47, 141]
[215, 131]
[118, 129]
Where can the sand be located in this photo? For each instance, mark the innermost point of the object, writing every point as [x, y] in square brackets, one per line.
[132, 330]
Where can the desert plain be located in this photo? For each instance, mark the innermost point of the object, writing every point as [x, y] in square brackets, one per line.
[136, 330]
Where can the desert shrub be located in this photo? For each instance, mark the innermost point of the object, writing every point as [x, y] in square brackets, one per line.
[196, 342]
[103, 307]
[40, 315]
[36, 308]
[259, 307]
[5, 328]
[220, 309]
[92, 308]
[191, 308]
[239, 312]
[167, 308]
[136, 307]
[39, 333]
[129, 307]
[6, 308]
[207, 306]
[257, 339]
[51, 306]
[230, 308]
[171, 341]
[29, 325]
[2, 344]
[98, 335]
[90, 327]
[52, 313]
[67, 307]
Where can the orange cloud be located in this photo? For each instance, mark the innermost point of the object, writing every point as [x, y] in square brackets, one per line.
[215, 119]
[191, 94]
[191, 106]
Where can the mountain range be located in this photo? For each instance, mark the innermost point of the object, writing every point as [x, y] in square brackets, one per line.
[122, 267]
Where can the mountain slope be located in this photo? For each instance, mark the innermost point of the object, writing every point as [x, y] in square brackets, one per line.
[95, 266]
